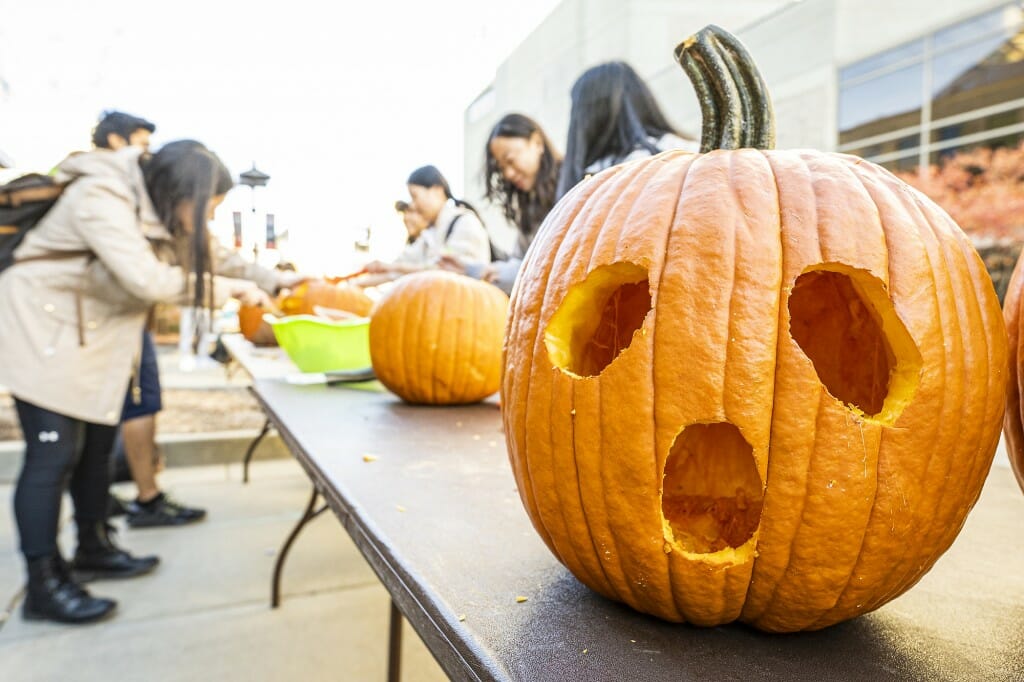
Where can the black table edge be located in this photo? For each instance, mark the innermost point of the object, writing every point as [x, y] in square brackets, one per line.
[459, 658]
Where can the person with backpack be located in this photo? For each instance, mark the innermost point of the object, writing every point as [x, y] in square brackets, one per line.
[453, 229]
[128, 231]
[135, 447]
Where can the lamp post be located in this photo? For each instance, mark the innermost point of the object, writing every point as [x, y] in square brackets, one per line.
[254, 178]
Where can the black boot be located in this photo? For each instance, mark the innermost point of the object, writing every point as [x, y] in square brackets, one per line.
[53, 595]
[98, 557]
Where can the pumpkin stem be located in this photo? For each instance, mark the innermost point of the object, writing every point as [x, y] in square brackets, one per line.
[734, 101]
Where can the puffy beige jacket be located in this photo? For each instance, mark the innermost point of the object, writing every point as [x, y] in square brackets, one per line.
[46, 304]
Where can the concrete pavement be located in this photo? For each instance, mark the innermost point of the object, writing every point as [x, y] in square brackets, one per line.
[204, 613]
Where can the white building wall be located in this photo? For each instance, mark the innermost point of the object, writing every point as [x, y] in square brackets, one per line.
[798, 46]
[5, 161]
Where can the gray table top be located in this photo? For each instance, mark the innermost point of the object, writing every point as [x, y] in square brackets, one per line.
[437, 516]
[260, 362]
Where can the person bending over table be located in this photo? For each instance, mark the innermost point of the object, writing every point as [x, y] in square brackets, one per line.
[129, 231]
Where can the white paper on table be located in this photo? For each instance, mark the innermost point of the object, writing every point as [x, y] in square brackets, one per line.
[306, 378]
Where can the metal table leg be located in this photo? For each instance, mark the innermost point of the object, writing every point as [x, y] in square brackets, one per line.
[307, 516]
[395, 644]
[252, 449]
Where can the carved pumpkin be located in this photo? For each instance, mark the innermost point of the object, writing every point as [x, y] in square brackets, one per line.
[750, 385]
[436, 338]
[304, 297]
[1013, 426]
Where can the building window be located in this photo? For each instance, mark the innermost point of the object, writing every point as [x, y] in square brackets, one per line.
[956, 88]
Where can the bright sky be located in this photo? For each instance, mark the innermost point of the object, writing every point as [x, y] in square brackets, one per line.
[337, 102]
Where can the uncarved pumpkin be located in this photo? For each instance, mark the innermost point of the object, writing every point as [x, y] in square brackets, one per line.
[348, 297]
[750, 385]
[253, 327]
[436, 338]
[1013, 426]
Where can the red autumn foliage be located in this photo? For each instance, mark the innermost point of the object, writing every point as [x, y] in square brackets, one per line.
[982, 189]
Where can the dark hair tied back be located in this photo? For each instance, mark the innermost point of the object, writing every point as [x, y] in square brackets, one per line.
[430, 176]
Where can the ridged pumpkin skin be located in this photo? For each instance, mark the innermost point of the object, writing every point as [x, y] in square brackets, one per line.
[347, 297]
[1012, 422]
[436, 338]
[707, 473]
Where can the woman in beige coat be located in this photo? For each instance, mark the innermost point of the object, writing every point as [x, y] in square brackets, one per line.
[129, 231]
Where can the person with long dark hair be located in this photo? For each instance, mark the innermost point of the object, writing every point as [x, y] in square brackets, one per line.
[129, 231]
[614, 118]
[135, 448]
[521, 168]
[454, 230]
[152, 506]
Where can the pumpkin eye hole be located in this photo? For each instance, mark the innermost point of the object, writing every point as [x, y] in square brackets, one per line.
[712, 494]
[598, 318]
[844, 321]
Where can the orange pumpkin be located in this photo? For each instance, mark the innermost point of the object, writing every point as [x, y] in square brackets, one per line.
[436, 338]
[253, 326]
[1013, 427]
[750, 385]
[348, 297]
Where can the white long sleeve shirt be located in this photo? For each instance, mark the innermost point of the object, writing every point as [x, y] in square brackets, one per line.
[468, 241]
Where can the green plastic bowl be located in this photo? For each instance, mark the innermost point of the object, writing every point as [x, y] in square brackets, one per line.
[316, 344]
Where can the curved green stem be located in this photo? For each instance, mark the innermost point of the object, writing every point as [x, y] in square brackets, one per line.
[734, 101]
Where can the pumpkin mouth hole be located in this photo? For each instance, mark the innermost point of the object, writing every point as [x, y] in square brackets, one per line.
[598, 319]
[845, 323]
[711, 491]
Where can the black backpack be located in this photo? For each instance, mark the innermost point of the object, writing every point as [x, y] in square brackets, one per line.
[496, 253]
[23, 203]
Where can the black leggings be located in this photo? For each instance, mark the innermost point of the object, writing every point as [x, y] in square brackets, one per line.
[61, 453]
